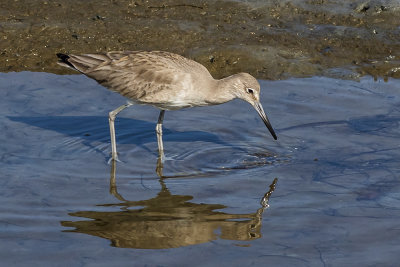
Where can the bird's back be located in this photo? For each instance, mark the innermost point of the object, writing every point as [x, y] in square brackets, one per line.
[144, 77]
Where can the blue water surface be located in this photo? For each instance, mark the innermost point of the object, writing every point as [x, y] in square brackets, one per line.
[337, 161]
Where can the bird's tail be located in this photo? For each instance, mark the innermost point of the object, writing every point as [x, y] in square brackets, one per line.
[82, 63]
[64, 61]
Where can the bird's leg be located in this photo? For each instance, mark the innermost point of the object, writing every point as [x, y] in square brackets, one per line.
[159, 136]
[160, 167]
[111, 119]
[160, 160]
[113, 184]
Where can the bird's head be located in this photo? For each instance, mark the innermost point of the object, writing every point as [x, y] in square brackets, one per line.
[246, 87]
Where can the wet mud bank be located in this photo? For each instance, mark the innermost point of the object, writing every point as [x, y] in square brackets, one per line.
[269, 39]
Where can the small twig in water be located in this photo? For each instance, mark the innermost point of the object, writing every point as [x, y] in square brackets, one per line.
[171, 6]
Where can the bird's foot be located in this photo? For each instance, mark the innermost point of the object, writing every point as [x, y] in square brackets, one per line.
[113, 158]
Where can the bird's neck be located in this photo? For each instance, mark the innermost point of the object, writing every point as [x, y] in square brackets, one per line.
[219, 92]
[228, 87]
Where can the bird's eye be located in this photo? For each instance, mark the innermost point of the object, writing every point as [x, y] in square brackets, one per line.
[250, 91]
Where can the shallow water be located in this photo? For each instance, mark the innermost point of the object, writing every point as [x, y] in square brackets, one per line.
[336, 202]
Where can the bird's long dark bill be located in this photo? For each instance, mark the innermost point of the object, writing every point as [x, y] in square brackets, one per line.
[264, 117]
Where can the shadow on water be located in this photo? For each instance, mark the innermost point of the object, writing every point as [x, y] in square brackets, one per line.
[167, 221]
[129, 131]
[94, 130]
[375, 125]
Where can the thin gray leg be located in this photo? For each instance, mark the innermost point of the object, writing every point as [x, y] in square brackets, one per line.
[160, 160]
[111, 119]
[159, 135]
[113, 183]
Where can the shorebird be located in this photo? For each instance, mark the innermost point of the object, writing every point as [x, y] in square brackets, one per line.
[164, 80]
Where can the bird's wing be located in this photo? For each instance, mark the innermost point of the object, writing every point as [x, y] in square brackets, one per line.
[139, 76]
[86, 62]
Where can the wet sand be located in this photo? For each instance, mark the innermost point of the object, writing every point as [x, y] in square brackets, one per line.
[273, 40]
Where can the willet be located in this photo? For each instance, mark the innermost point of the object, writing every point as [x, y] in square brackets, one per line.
[164, 80]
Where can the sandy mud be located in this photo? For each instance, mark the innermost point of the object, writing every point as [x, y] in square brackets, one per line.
[270, 39]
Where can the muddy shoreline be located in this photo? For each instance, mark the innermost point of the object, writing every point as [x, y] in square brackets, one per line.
[274, 40]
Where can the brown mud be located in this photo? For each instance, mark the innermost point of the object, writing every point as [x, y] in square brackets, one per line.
[270, 39]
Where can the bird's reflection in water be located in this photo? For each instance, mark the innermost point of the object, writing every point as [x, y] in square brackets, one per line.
[167, 221]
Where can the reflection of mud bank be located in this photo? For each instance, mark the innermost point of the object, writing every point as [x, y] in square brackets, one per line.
[273, 40]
